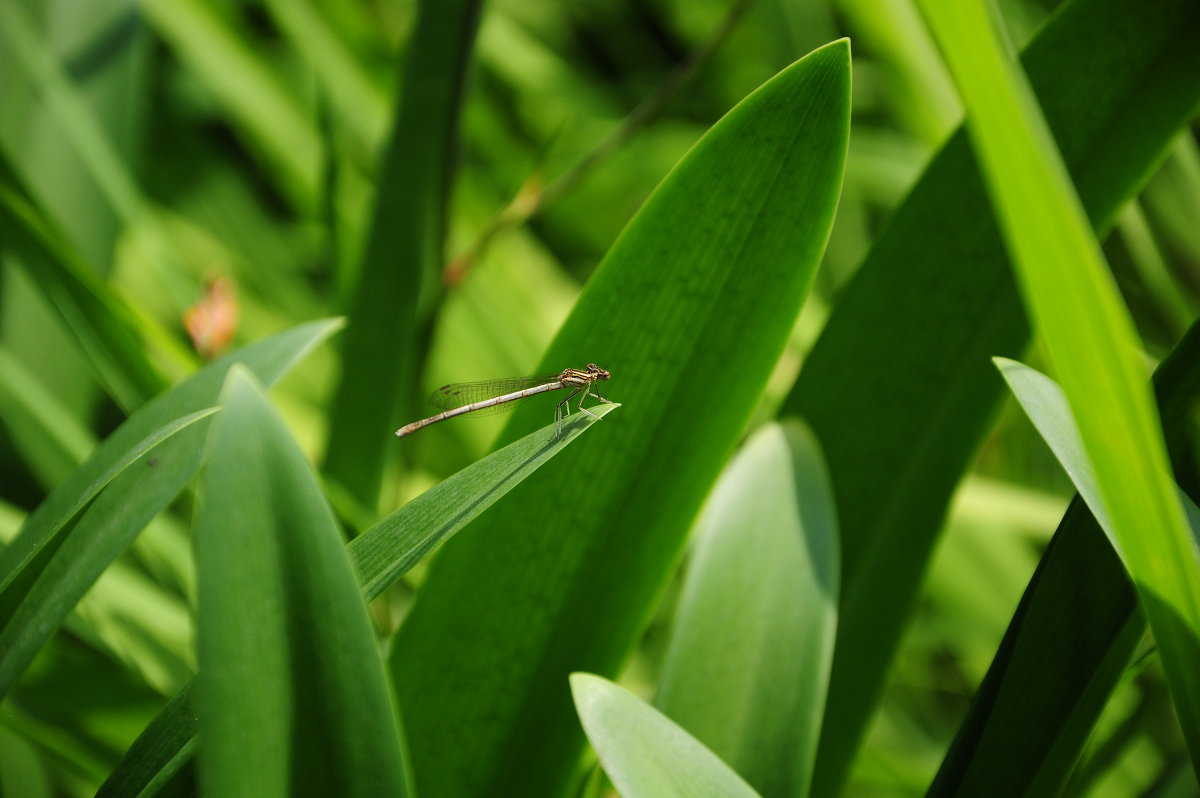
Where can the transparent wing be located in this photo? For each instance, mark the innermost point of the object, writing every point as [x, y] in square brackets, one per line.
[458, 394]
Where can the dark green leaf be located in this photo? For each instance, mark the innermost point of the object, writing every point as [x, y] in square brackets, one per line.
[404, 248]
[563, 577]
[293, 699]
[1069, 642]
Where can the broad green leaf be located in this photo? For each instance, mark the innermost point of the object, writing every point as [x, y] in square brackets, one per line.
[644, 753]
[1089, 338]
[79, 529]
[1070, 640]
[900, 389]
[752, 642]
[381, 555]
[292, 695]
[562, 577]
[403, 251]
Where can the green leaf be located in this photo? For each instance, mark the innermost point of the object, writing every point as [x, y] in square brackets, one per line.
[32, 594]
[55, 441]
[1089, 337]
[293, 699]
[643, 752]
[1070, 640]
[270, 116]
[899, 388]
[752, 643]
[562, 577]
[403, 249]
[381, 555]
[79, 529]
[1044, 402]
[105, 329]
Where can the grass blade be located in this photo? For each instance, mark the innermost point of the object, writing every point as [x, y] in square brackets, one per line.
[403, 249]
[723, 252]
[34, 595]
[748, 662]
[644, 753]
[1089, 338]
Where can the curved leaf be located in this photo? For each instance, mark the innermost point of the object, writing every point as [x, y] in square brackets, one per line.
[1069, 641]
[643, 752]
[33, 598]
[752, 642]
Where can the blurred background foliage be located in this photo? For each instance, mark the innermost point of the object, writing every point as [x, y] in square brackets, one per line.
[215, 163]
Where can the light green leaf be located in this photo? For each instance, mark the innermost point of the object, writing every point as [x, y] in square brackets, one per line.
[33, 594]
[381, 555]
[900, 389]
[562, 577]
[1044, 402]
[748, 663]
[643, 752]
[83, 525]
[1088, 336]
[104, 328]
[55, 441]
[292, 695]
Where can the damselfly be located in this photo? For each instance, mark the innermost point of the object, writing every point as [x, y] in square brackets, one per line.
[461, 398]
